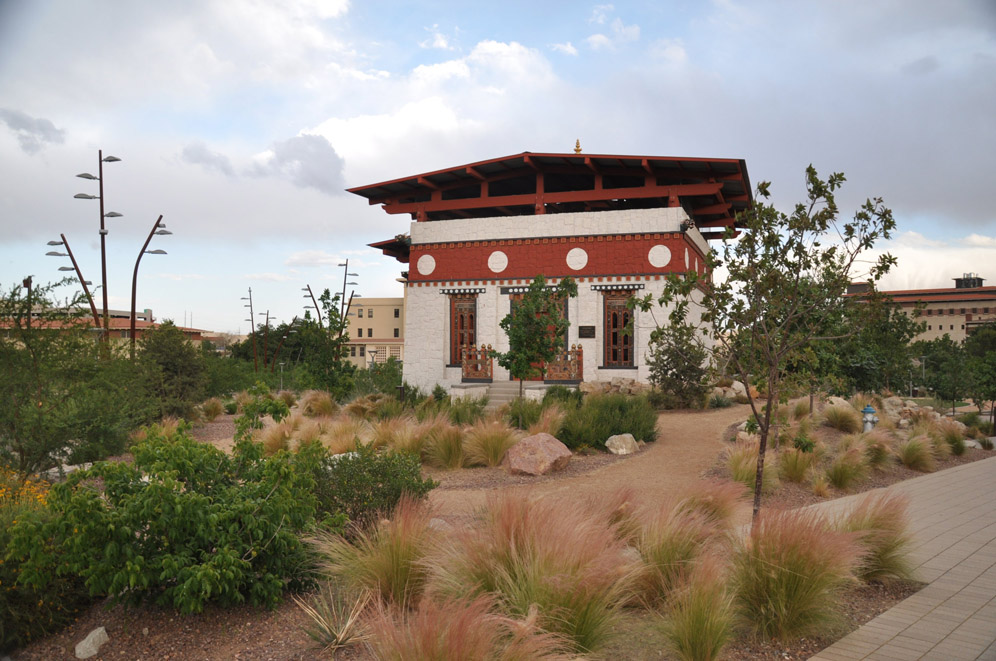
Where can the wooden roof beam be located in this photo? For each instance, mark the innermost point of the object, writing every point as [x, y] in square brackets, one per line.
[713, 209]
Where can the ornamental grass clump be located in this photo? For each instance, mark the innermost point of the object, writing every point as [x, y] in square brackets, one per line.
[847, 468]
[466, 410]
[288, 397]
[741, 460]
[699, 621]
[716, 501]
[950, 431]
[344, 434]
[549, 554]
[843, 418]
[787, 574]
[550, 420]
[459, 629]
[882, 525]
[212, 408]
[670, 541]
[878, 448]
[914, 453]
[335, 618]
[794, 464]
[800, 411]
[486, 442]
[317, 403]
[444, 447]
[386, 560]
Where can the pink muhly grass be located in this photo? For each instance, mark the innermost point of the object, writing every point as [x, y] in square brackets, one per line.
[716, 501]
[464, 629]
[549, 553]
[487, 440]
[551, 421]
[699, 622]
[787, 573]
[882, 523]
[388, 560]
[619, 509]
[317, 403]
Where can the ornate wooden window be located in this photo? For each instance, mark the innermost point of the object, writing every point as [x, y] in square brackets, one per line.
[463, 325]
[618, 345]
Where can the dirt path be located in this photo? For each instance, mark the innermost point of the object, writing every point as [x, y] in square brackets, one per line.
[688, 443]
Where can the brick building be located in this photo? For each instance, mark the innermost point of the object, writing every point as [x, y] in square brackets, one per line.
[481, 232]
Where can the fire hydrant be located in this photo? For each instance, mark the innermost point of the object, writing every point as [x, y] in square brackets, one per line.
[870, 418]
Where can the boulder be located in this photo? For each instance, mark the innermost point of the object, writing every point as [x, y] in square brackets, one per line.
[622, 444]
[903, 424]
[744, 437]
[589, 387]
[90, 645]
[892, 408]
[538, 454]
[738, 388]
[837, 401]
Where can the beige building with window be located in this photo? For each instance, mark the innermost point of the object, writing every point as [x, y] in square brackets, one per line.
[376, 328]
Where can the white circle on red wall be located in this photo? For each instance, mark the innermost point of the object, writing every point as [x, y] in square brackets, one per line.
[426, 264]
[659, 256]
[498, 261]
[577, 258]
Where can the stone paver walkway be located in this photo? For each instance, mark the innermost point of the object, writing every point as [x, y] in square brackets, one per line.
[953, 517]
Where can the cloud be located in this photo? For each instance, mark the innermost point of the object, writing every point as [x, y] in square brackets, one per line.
[977, 240]
[917, 240]
[436, 40]
[671, 51]
[32, 133]
[198, 154]
[565, 48]
[307, 161]
[600, 14]
[621, 34]
[312, 258]
[268, 277]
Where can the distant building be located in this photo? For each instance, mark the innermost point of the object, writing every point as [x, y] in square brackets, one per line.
[376, 328]
[955, 311]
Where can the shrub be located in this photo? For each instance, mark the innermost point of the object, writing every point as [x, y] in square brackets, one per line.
[986, 443]
[459, 629]
[486, 442]
[803, 443]
[752, 426]
[820, 486]
[699, 622]
[363, 407]
[391, 408]
[231, 407]
[344, 434]
[670, 541]
[801, 410]
[602, 416]
[467, 410]
[545, 554]
[334, 618]
[878, 448]
[183, 525]
[882, 523]
[364, 484]
[30, 611]
[212, 408]
[567, 398]
[914, 453]
[318, 403]
[787, 573]
[794, 464]
[847, 468]
[288, 397]
[524, 413]
[444, 447]
[720, 402]
[952, 435]
[843, 418]
[386, 560]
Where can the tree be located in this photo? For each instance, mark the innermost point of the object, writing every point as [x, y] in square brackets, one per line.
[535, 328]
[982, 383]
[787, 275]
[323, 349]
[174, 369]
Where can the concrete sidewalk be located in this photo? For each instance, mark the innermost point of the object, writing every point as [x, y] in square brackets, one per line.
[953, 515]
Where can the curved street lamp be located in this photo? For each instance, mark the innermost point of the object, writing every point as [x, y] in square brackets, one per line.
[101, 159]
[134, 279]
[75, 267]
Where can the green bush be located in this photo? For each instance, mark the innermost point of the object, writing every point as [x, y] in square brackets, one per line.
[467, 410]
[720, 402]
[27, 612]
[365, 484]
[184, 525]
[524, 413]
[602, 416]
[568, 398]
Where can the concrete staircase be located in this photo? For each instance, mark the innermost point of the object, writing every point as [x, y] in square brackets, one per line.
[501, 393]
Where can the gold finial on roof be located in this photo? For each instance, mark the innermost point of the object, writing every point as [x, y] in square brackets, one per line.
[577, 146]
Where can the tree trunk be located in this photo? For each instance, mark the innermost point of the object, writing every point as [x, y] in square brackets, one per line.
[763, 445]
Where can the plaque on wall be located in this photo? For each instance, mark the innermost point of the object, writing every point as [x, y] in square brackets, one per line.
[586, 331]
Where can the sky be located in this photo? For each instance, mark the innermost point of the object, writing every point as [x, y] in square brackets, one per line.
[242, 122]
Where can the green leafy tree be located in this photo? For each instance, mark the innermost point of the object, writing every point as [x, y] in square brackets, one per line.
[174, 369]
[982, 383]
[787, 275]
[982, 341]
[678, 359]
[535, 328]
[946, 369]
[324, 349]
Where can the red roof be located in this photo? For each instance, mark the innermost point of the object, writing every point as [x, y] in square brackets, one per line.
[711, 190]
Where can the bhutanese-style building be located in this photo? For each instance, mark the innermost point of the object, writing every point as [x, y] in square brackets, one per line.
[481, 232]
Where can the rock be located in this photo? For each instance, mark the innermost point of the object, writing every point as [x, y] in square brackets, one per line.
[903, 424]
[90, 645]
[837, 401]
[589, 387]
[738, 388]
[742, 426]
[744, 437]
[719, 392]
[622, 444]
[892, 408]
[972, 443]
[538, 454]
[910, 404]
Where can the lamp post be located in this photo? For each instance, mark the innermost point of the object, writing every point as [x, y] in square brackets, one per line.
[159, 228]
[69, 254]
[276, 353]
[342, 300]
[314, 304]
[252, 329]
[266, 337]
[101, 159]
[281, 375]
